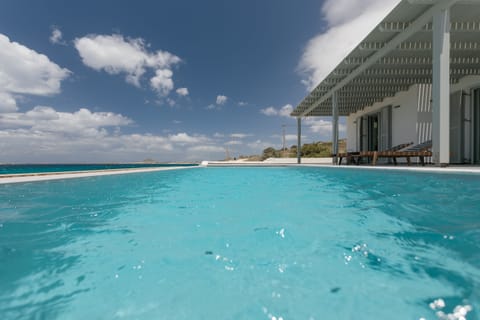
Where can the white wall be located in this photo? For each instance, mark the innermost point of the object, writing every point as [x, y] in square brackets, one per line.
[404, 109]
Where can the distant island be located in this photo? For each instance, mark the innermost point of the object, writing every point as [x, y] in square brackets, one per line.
[150, 161]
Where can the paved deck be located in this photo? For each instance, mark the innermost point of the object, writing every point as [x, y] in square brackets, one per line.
[44, 176]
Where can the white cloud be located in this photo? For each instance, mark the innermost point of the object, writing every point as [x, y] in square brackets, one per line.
[221, 99]
[47, 119]
[44, 134]
[240, 135]
[233, 142]
[184, 138]
[288, 137]
[285, 111]
[56, 37]
[7, 103]
[292, 137]
[118, 55]
[259, 145]
[270, 111]
[348, 20]
[207, 149]
[114, 54]
[24, 71]
[182, 92]
[171, 102]
[337, 12]
[25, 144]
[219, 102]
[323, 127]
[162, 83]
[282, 112]
[242, 103]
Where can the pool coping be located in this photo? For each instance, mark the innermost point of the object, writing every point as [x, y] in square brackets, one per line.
[426, 169]
[46, 176]
[461, 169]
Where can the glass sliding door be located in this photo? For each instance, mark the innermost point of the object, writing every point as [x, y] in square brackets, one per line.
[373, 132]
[476, 126]
[385, 128]
[457, 136]
[362, 125]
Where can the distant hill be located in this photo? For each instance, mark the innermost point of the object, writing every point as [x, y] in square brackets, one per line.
[318, 149]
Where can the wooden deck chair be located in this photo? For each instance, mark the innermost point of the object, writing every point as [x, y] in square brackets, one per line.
[420, 150]
[349, 157]
[373, 154]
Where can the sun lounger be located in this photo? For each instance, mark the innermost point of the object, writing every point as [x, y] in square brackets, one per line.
[420, 150]
[373, 154]
[349, 157]
[356, 157]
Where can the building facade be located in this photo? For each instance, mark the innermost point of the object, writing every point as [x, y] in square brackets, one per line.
[414, 78]
[407, 117]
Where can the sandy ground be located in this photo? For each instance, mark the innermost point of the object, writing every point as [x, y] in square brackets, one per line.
[16, 178]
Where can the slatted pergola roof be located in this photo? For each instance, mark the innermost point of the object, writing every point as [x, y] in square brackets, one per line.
[396, 55]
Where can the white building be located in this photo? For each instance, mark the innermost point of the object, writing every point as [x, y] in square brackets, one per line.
[415, 77]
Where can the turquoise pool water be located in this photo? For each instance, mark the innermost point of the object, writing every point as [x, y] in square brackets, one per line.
[242, 243]
[42, 168]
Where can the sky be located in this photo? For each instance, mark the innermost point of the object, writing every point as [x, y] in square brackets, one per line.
[170, 80]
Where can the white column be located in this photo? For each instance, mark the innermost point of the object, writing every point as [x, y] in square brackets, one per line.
[299, 140]
[441, 88]
[334, 128]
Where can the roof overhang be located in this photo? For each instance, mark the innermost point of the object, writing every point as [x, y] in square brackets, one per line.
[396, 55]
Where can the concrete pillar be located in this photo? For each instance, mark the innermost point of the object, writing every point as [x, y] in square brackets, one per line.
[334, 128]
[441, 88]
[299, 140]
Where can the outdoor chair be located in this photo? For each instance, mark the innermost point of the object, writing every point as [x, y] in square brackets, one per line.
[349, 157]
[420, 150]
[356, 157]
[374, 154]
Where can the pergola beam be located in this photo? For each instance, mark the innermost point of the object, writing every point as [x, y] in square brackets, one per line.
[456, 26]
[421, 21]
[373, 89]
[404, 80]
[391, 72]
[420, 45]
[424, 2]
[400, 61]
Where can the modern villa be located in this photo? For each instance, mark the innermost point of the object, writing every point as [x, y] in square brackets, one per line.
[414, 78]
[268, 240]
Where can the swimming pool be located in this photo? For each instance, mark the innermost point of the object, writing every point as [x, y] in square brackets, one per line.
[242, 243]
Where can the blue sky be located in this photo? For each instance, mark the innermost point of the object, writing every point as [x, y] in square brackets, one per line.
[96, 81]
